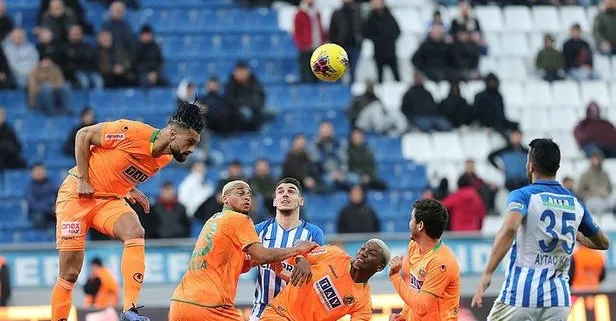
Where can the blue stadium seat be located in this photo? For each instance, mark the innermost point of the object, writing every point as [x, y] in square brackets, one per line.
[13, 101]
[272, 148]
[15, 182]
[385, 148]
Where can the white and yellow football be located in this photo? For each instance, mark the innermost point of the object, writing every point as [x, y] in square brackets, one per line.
[329, 62]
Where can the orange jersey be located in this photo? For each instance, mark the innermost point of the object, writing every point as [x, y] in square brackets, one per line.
[588, 266]
[217, 260]
[124, 158]
[429, 284]
[330, 295]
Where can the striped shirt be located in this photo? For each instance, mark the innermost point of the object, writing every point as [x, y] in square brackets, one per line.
[272, 235]
[537, 275]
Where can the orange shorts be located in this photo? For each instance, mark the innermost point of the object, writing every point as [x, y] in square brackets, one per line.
[269, 314]
[182, 311]
[75, 216]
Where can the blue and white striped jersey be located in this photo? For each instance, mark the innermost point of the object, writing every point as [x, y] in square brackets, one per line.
[537, 275]
[272, 235]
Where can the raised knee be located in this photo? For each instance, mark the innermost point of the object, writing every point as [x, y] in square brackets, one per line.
[138, 232]
[70, 274]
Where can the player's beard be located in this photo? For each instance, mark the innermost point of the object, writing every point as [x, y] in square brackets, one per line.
[288, 213]
[177, 155]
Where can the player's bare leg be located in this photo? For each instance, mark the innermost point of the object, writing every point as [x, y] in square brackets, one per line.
[128, 229]
[61, 297]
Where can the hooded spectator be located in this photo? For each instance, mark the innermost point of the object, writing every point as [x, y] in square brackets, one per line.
[595, 133]
[465, 206]
[490, 107]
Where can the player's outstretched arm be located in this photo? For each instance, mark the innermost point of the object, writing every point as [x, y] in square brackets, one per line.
[87, 136]
[502, 243]
[599, 241]
[262, 255]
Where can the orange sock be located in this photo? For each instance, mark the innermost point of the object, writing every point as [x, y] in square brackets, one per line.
[133, 266]
[61, 300]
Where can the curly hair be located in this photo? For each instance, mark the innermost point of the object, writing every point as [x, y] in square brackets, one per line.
[189, 115]
[434, 216]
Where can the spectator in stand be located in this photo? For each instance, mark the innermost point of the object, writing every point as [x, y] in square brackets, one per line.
[569, 184]
[114, 62]
[87, 118]
[487, 191]
[10, 147]
[382, 29]
[490, 108]
[357, 216]
[550, 62]
[586, 269]
[263, 183]
[308, 34]
[6, 77]
[466, 22]
[5, 283]
[578, 56]
[195, 189]
[235, 172]
[47, 90]
[21, 56]
[596, 188]
[59, 19]
[149, 59]
[102, 289]
[604, 28]
[70, 5]
[465, 206]
[170, 215]
[511, 159]
[431, 56]
[121, 32]
[464, 57]
[361, 162]
[211, 206]
[421, 110]
[80, 64]
[6, 23]
[368, 113]
[50, 47]
[330, 159]
[595, 133]
[186, 91]
[299, 165]
[245, 96]
[437, 20]
[455, 108]
[40, 195]
[218, 116]
[345, 29]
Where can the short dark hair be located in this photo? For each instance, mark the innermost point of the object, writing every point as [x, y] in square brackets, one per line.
[292, 181]
[576, 26]
[190, 116]
[433, 214]
[464, 181]
[97, 261]
[167, 184]
[545, 155]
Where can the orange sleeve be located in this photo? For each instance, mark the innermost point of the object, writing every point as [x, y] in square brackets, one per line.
[363, 310]
[245, 233]
[126, 135]
[439, 276]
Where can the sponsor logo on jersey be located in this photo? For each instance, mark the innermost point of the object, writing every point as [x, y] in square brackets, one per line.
[116, 136]
[135, 174]
[318, 251]
[558, 201]
[70, 229]
[416, 283]
[328, 293]
[422, 272]
[515, 206]
[331, 269]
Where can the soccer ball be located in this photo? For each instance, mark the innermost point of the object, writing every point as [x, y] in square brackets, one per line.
[329, 62]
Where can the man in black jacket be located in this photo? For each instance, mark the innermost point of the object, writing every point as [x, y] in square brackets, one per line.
[357, 216]
[5, 283]
[345, 30]
[421, 110]
[382, 28]
[149, 59]
[10, 147]
[431, 56]
[246, 98]
[490, 108]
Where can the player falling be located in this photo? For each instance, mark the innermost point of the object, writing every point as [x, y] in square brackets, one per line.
[336, 285]
[207, 290]
[428, 277]
[543, 222]
[112, 158]
[281, 232]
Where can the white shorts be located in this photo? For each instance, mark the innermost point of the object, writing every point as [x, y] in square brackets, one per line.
[253, 318]
[504, 312]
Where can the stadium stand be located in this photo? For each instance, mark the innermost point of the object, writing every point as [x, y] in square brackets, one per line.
[204, 38]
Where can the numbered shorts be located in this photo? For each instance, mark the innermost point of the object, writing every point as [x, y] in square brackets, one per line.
[182, 311]
[503, 312]
[75, 216]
